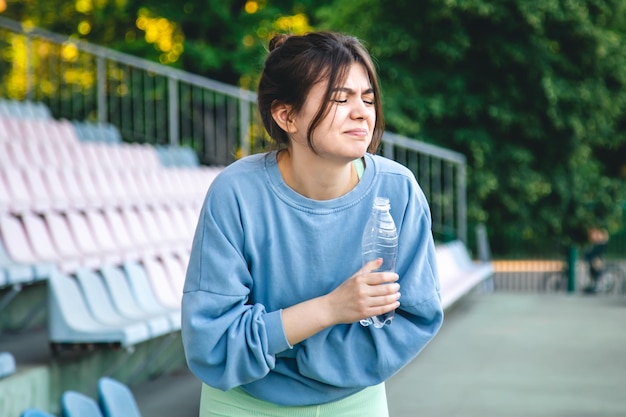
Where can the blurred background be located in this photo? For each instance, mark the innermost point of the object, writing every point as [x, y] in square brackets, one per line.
[532, 93]
[511, 114]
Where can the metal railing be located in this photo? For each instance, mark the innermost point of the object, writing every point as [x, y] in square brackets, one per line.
[157, 104]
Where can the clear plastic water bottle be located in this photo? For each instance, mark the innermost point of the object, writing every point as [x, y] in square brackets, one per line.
[380, 240]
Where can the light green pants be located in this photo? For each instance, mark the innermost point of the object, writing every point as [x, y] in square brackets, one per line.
[370, 402]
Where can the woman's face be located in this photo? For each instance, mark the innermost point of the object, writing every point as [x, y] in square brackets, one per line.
[346, 131]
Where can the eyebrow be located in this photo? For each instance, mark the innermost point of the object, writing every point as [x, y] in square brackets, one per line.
[351, 91]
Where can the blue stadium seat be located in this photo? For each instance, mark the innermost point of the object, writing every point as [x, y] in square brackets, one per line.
[164, 286]
[97, 132]
[116, 399]
[75, 404]
[71, 322]
[24, 109]
[144, 294]
[177, 156]
[33, 412]
[125, 304]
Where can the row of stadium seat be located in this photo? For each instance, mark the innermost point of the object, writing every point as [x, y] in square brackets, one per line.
[115, 399]
[27, 140]
[106, 225]
[39, 188]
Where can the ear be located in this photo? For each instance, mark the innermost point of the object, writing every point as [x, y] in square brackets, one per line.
[281, 113]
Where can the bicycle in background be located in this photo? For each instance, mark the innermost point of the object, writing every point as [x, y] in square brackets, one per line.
[604, 277]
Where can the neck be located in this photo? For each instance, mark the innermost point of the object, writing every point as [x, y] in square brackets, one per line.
[315, 177]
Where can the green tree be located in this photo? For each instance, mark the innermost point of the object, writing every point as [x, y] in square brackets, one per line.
[532, 92]
[220, 39]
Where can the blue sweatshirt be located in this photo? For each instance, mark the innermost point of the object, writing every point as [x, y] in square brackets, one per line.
[260, 247]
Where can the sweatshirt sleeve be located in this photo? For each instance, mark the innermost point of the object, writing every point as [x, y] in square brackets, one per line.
[227, 342]
[352, 355]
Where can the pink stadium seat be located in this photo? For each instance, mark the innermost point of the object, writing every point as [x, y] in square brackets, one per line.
[5, 135]
[165, 291]
[64, 131]
[58, 154]
[152, 183]
[191, 215]
[5, 157]
[150, 225]
[89, 190]
[104, 236]
[132, 190]
[41, 198]
[73, 190]
[137, 231]
[16, 187]
[18, 154]
[39, 238]
[35, 130]
[118, 188]
[107, 195]
[181, 227]
[6, 203]
[59, 197]
[145, 156]
[89, 156]
[18, 245]
[10, 128]
[85, 239]
[121, 233]
[65, 244]
[166, 224]
[175, 272]
[144, 294]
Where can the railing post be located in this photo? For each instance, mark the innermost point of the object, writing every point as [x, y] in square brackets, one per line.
[572, 256]
[244, 126]
[461, 203]
[173, 111]
[388, 150]
[102, 86]
[29, 67]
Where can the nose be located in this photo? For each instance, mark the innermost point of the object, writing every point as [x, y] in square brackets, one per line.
[360, 110]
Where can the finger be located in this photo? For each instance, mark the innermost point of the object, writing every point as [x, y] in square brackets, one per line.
[371, 266]
[386, 303]
[376, 278]
[385, 290]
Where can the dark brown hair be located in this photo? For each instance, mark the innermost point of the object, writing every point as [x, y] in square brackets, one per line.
[297, 62]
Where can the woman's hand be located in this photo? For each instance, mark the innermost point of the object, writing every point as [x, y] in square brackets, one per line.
[358, 297]
[362, 295]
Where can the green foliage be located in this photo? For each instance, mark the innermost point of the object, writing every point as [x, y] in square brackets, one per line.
[532, 92]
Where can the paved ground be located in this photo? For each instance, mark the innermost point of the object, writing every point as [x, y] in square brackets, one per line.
[526, 355]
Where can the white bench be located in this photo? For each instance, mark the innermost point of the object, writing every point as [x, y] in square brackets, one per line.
[458, 273]
[7, 364]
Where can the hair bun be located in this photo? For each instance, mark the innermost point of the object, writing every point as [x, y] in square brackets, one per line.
[277, 41]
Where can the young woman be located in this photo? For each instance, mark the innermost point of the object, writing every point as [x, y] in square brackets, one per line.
[275, 288]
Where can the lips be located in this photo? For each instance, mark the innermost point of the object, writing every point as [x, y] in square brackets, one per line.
[357, 132]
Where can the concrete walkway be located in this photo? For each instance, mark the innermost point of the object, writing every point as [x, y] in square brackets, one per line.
[526, 355]
[497, 355]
